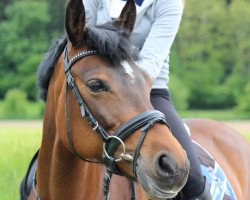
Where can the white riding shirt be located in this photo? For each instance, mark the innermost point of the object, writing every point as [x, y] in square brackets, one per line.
[156, 26]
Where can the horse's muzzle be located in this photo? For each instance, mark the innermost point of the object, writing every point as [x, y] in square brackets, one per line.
[163, 178]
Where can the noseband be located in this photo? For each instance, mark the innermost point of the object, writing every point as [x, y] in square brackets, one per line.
[143, 121]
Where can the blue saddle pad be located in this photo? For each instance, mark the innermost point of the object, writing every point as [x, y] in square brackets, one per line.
[221, 188]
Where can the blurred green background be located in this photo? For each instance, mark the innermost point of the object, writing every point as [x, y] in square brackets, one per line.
[210, 71]
[209, 59]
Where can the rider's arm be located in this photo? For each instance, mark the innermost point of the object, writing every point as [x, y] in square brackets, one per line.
[167, 17]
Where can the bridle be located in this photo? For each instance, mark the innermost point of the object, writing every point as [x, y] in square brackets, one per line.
[143, 121]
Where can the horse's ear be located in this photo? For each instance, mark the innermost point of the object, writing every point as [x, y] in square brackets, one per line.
[127, 17]
[75, 21]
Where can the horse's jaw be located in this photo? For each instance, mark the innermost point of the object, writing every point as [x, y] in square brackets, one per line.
[159, 188]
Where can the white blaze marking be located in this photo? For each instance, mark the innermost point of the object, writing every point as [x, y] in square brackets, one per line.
[128, 69]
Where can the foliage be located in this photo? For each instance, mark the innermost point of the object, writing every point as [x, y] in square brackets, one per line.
[209, 60]
[23, 42]
[244, 100]
[3, 4]
[239, 82]
[179, 93]
[57, 24]
[15, 102]
[212, 49]
[16, 106]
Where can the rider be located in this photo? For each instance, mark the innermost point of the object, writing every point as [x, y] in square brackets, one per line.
[156, 26]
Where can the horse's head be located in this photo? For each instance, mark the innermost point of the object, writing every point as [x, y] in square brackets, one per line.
[106, 91]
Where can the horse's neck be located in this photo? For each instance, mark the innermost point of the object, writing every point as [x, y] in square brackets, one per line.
[60, 175]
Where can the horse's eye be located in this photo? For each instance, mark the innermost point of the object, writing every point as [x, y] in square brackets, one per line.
[96, 85]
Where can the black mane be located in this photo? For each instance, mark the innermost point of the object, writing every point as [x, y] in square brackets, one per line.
[47, 65]
[110, 42]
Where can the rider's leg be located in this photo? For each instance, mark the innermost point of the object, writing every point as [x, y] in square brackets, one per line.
[196, 182]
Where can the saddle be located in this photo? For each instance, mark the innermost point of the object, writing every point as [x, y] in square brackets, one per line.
[220, 187]
[27, 182]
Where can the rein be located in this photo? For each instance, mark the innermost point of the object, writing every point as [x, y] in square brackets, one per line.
[143, 121]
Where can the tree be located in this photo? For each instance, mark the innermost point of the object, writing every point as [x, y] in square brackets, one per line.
[23, 42]
[228, 2]
[240, 81]
[211, 50]
[3, 4]
[57, 24]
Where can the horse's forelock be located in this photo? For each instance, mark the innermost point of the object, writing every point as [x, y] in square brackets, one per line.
[111, 43]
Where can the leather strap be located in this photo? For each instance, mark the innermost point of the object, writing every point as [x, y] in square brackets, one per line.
[132, 125]
[144, 131]
[146, 120]
[83, 107]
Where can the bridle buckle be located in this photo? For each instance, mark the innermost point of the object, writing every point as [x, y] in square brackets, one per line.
[96, 126]
[70, 80]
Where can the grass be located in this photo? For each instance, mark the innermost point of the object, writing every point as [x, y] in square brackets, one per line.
[17, 146]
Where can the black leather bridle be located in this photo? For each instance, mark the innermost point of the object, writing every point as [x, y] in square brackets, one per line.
[143, 121]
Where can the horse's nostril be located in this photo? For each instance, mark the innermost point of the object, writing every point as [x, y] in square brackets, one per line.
[167, 165]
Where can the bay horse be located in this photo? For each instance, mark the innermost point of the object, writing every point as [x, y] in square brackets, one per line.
[99, 121]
